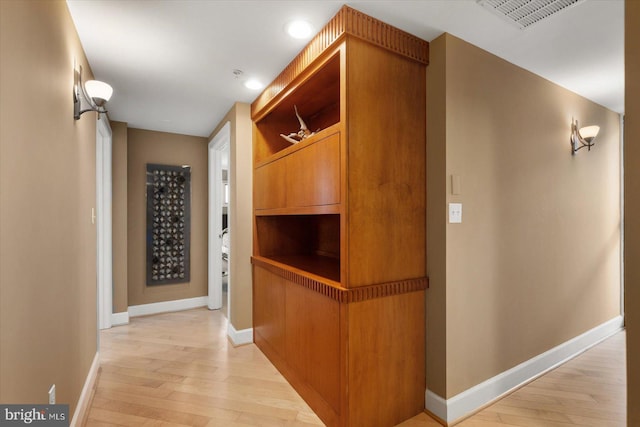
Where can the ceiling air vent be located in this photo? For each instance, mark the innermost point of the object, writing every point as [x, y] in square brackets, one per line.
[525, 13]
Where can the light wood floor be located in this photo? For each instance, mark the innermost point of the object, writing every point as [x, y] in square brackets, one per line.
[179, 369]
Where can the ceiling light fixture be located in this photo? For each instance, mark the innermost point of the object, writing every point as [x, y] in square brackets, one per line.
[299, 29]
[90, 96]
[583, 136]
[253, 84]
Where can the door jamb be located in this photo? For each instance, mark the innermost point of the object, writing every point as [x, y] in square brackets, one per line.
[217, 144]
[104, 266]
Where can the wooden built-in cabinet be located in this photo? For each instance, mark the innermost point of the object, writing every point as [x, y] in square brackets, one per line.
[339, 265]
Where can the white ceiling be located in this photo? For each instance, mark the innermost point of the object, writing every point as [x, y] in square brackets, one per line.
[171, 62]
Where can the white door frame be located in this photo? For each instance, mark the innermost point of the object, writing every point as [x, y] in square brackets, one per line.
[103, 223]
[217, 145]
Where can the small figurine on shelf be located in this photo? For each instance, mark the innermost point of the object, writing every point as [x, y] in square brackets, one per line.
[302, 134]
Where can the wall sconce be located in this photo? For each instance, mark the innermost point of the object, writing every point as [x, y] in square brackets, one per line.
[90, 96]
[582, 137]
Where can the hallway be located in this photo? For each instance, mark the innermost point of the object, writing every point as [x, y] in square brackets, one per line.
[180, 369]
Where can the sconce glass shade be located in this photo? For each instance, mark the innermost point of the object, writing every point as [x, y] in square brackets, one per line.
[99, 91]
[588, 133]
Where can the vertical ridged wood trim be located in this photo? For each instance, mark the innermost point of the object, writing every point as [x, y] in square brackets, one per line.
[352, 22]
[386, 36]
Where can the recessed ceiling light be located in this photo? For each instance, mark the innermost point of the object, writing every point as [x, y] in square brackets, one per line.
[299, 29]
[253, 84]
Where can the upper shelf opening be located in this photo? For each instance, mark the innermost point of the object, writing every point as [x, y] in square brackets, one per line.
[318, 102]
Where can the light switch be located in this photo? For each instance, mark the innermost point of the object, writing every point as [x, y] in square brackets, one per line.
[455, 213]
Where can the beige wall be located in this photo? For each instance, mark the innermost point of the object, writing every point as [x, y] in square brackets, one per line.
[47, 189]
[536, 260]
[436, 218]
[240, 214]
[144, 147]
[119, 215]
[632, 206]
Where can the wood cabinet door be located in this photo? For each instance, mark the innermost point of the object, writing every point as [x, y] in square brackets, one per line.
[313, 174]
[269, 185]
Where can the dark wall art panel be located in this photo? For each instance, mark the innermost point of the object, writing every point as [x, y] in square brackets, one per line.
[168, 223]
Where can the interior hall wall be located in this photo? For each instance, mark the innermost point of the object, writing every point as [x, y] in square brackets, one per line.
[48, 330]
[145, 146]
[536, 259]
[632, 206]
[436, 218]
[240, 214]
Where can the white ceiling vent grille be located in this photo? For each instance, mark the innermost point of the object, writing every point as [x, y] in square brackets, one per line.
[525, 13]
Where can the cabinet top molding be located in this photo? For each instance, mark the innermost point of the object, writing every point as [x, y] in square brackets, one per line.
[347, 21]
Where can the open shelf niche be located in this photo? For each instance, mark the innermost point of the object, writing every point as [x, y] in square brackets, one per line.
[318, 101]
[310, 243]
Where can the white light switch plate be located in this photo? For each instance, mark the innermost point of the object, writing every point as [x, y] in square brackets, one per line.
[455, 213]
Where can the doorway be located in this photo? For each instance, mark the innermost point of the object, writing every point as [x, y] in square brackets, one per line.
[219, 231]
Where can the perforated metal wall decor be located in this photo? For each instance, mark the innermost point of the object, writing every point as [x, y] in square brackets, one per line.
[168, 223]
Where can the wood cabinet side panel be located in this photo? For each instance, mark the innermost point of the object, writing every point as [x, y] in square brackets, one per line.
[386, 359]
[386, 127]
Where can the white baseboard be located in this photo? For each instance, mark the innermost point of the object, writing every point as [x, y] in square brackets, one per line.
[87, 392]
[118, 319]
[469, 401]
[167, 306]
[241, 337]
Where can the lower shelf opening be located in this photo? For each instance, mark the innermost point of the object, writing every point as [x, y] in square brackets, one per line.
[309, 243]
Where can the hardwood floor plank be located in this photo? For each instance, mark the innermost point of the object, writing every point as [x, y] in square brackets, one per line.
[583, 396]
[102, 417]
[120, 387]
[568, 408]
[597, 422]
[267, 421]
[132, 379]
[538, 414]
[244, 394]
[150, 375]
[177, 418]
[198, 409]
[240, 406]
[515, 420]
[475, 422]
